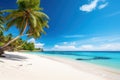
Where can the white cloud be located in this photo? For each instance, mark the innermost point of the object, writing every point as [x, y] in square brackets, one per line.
[32, 40]
[102, 6]
[108, 43]
[37, 45]
[64, 48]
[114, 14]
[73, 36]
[93, 5]
[68, 43]
[99, 40]
[110, 46]
[102, 47]
[89, 7]
[88, 47]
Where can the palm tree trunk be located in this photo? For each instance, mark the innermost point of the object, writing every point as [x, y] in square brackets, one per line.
[1, 52]
[11, 41]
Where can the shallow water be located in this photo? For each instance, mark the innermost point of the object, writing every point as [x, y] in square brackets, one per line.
[108, 59]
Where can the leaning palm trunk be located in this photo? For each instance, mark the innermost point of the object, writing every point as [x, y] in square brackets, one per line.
[11, 41]
[20, 46]
[3, 48]
[14, 39]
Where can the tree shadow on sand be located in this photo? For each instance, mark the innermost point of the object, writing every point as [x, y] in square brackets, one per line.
[14, 57]
[1, 61]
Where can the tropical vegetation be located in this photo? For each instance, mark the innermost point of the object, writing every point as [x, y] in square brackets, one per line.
[28, 18]
[19, 44]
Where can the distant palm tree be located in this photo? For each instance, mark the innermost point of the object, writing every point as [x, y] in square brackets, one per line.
[1, 38]
[28, 18]
[8, 37]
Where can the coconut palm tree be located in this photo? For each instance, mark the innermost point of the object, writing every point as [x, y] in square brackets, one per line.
[28, 18]
[1, 38]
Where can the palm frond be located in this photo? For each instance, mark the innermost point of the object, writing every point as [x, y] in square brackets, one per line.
[32, 20]
[28, 4]
[1, 22]
[14, 14]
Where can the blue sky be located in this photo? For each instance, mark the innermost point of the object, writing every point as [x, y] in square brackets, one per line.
[78, 24]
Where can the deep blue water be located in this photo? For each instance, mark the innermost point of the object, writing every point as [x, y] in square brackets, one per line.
[108, 59]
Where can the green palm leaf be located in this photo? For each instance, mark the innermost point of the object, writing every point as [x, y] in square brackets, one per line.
[1, 22]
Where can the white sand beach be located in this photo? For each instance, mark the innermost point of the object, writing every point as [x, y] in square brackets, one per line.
[20, 66]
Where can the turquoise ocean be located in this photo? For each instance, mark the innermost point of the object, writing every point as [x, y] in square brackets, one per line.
[103, 58]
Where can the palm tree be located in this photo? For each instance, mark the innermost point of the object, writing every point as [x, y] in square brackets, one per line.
[1, 38]
[28, 18]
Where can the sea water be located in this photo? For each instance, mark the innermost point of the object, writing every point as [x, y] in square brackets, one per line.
[107, 59]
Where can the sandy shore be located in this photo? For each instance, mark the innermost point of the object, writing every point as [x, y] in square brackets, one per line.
[19, 66]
